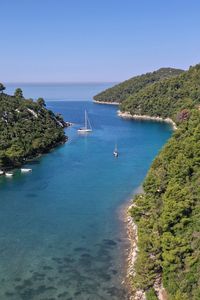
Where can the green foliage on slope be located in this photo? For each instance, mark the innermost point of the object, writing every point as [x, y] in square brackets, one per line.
[27, 129]
[168, 213]
[122, 91]
[167, 97]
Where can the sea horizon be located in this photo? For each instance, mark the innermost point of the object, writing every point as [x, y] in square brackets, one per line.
[59, 91]
[59, 82]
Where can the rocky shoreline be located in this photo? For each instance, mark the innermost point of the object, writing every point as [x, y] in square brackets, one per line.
[132, 233]
[104, 102]
[127, 115]
[132, 230]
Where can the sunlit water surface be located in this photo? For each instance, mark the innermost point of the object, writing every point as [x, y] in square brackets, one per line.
[61, 236]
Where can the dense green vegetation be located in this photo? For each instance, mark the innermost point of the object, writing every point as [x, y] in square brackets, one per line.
[168, 212]
[168, 97]
[167, 215]
[27, 128]
[122, 91]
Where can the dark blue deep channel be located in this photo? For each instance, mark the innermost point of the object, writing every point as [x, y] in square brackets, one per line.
[61, 236]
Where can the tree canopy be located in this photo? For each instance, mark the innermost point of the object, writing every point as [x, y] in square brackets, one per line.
[41, 102]
[18, 93]
[167, 213]
[122, 91]
[2, 87]
[27, 129]
[168, 97]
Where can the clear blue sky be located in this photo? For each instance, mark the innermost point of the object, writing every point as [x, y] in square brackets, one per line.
[95, 40]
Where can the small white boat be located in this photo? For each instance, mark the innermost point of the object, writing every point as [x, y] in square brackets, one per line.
[9, 174]
[1, 172]
[115, 152]
[25, 170]
[87, 128]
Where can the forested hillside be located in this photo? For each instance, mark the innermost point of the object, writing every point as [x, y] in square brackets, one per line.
[122, 91]
[168, 213]
[168, 97]
[27, 128]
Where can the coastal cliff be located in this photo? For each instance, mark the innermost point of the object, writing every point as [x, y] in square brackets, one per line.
[27, 129]
[166, 214]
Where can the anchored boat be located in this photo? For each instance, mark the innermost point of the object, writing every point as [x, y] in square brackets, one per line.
[9, 174]
[87, 128]
[115, 152]
[26, 170]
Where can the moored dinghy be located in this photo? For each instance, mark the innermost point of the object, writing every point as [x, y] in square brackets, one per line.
[9, 174]
[25, 170]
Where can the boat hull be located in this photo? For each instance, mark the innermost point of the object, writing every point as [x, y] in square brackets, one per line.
[8, 174]
[84, 130]
[115, 154]
[26, 170]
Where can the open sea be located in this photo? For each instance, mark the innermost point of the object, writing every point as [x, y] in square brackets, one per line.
[61, 236]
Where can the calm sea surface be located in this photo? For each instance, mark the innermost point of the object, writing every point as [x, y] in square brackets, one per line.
[61, 236]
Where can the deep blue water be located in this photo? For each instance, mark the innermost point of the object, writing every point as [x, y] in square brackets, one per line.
[61, 236]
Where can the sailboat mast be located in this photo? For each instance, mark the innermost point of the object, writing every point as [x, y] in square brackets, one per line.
[85, 120]
[87, 127]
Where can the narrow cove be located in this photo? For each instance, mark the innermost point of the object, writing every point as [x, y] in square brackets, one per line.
[61, 235]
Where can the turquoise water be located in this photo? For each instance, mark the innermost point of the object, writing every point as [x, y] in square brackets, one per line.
[61, 236]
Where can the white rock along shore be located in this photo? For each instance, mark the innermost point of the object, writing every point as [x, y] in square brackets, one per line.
[127, 115]
[133, 237]
[104, 102]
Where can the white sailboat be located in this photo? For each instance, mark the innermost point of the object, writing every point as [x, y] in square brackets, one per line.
[115, 152]
[87, 127]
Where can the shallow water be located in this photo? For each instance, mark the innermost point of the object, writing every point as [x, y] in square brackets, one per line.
[60, 234]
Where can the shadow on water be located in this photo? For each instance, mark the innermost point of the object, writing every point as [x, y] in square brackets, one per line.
[80, 275]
